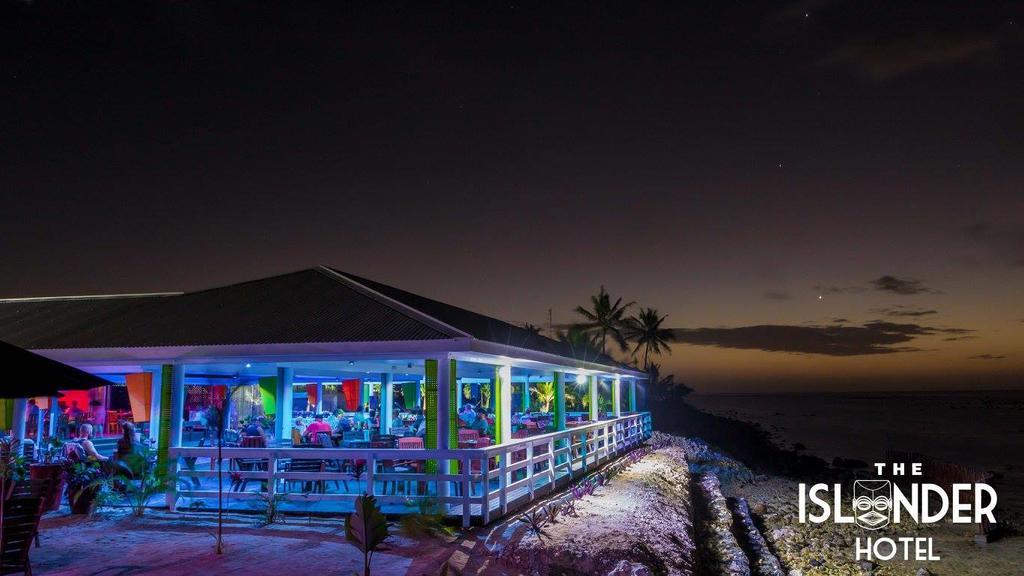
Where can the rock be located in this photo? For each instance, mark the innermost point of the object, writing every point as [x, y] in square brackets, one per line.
[758, 508]
[816, 562]
[781, 533]
[796, 572]
[923, 572]
[867, 566]
[627, 568]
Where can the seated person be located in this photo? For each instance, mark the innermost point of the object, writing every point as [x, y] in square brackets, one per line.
[84, 435]
[396, 419]
[300, 425]
[316, 426]
[344, 425]
[255, 427]
[128, 443]
[421, 427]
[468, 415]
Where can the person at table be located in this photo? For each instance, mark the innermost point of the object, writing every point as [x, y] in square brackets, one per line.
[300, 425]
[255, 427]
[74, 412]
[316, 426]
[85, 441]
[467, 415]
[396, 418]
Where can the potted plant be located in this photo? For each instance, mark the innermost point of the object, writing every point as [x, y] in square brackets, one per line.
[50, 468]
[83, 483]
[12, 466]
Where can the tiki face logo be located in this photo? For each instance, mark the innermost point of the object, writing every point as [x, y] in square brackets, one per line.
[872, 503]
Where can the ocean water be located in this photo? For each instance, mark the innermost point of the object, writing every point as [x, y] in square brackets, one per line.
[980, 429]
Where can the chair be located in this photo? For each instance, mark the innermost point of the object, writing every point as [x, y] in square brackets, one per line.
[410, 443]
[20, 527]
[250, 464]
[304, 465]
[253, 442]
[32, 489]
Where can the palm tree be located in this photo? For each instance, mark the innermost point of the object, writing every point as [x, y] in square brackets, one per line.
[582, 345]
[645, 330]
[604, 319]
[545, 394]
[530, 327]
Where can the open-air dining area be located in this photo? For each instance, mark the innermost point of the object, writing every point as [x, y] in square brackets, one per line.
[317, 387]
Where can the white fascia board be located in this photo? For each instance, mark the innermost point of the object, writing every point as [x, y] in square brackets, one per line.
[526, 358]
[298, 352]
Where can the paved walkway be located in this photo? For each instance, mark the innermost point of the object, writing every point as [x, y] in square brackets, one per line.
[175, 544]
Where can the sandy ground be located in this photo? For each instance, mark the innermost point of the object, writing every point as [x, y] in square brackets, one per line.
[643, 516]
[162, 543]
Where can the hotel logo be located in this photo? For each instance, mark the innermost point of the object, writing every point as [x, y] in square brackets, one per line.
[872, 503]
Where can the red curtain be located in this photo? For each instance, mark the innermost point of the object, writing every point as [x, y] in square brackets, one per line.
[350, 388]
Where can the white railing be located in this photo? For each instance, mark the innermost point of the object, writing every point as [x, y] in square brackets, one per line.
[481, 482]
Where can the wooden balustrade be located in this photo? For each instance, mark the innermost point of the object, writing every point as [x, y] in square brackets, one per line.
[486, 482]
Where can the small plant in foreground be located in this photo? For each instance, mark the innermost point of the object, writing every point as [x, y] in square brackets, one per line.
[271, 508]
[569, 508]
[134, 481]
[367, 529]
[554, 509]
[535, 522]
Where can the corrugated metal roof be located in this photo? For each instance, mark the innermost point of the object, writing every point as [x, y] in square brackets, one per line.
[480, 326]
[305, 306]
[314, 305]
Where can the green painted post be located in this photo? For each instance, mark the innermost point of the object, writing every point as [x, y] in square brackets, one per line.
[632, 395]
[430, 409]
[526, 395]
[164, 438]
[453, 414]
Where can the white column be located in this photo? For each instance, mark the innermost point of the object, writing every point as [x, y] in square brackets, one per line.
[616, 392]
[283, 418]
[505, 404]
[154, 404]
[177, 403]
[18, 426]
[458, 395]
[592, 380]
[319, 397]
[387, 400]
[40, 417]
[54, 416]
[559, 400]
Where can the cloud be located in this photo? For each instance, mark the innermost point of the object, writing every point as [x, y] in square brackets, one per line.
[777, 295]
[839, 320]
[985, 357]
[885, 59]
[872, 338]
[827, 290]
[1003, 242]
[903, 312]
[902, 286]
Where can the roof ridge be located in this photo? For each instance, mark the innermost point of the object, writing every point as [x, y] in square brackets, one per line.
[252, 281]
[90, 297]
[346, 278]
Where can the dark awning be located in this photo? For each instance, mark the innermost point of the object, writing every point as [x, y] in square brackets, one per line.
[27, 375]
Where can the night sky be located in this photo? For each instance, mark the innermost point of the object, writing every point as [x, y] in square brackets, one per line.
[821, 195]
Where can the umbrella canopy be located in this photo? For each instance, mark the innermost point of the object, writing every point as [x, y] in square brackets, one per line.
[28, 375]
